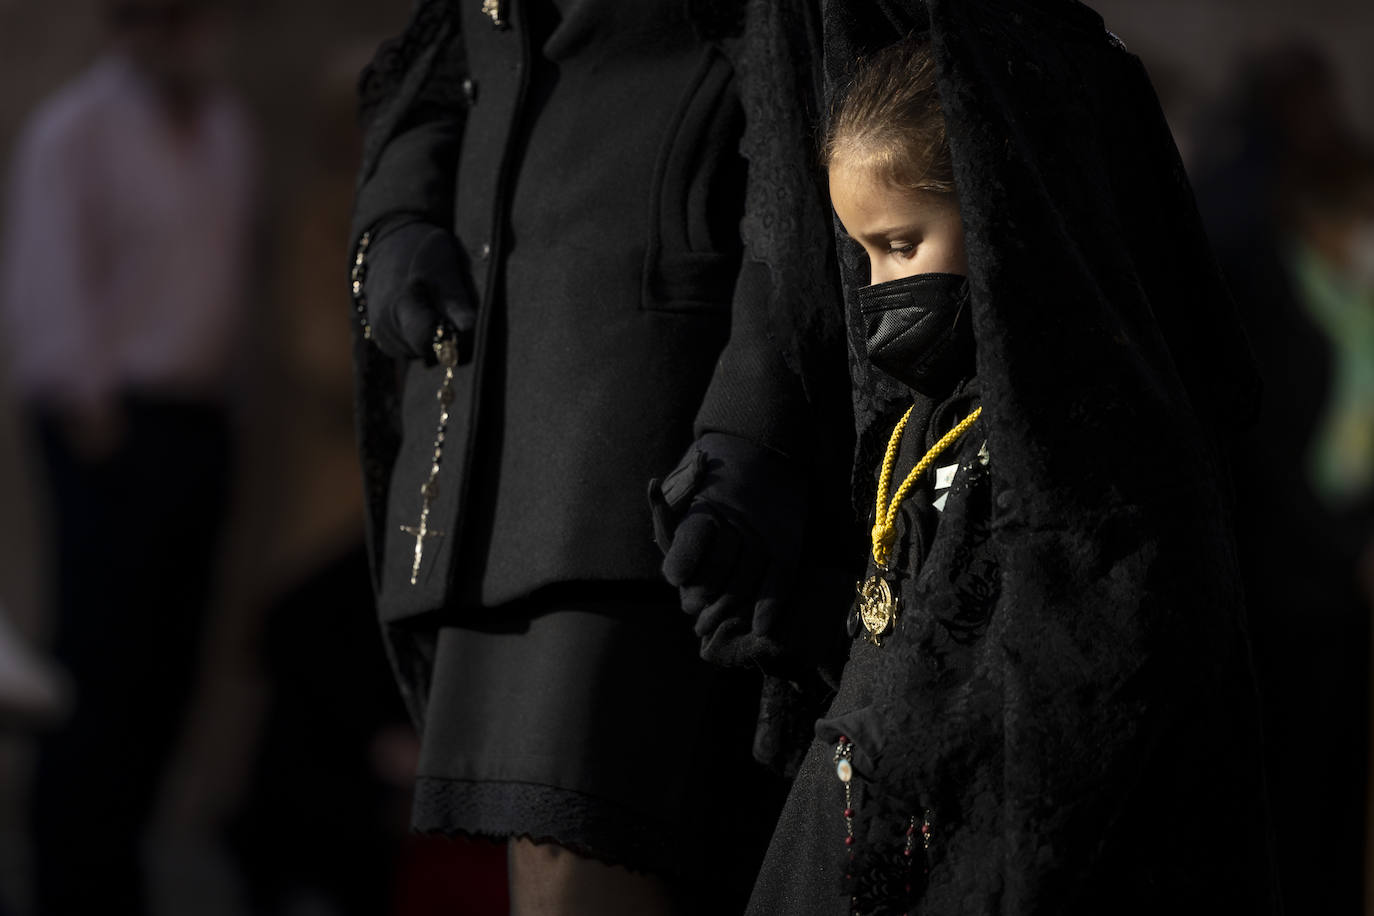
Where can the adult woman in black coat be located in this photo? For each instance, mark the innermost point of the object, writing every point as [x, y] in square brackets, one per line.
[570, 229]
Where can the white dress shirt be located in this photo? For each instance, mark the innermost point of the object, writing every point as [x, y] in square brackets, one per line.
[125, 246]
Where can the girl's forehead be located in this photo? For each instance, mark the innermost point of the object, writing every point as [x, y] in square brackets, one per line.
[863, 177]
[866, 183]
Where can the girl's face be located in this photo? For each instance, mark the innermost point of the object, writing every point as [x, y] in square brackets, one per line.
[902, 232]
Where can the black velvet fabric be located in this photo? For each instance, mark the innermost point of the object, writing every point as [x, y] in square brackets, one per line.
[1070, 692]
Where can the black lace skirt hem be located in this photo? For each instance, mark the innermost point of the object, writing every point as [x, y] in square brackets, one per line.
[588, 826]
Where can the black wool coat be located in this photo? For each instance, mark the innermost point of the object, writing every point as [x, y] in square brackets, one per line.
[617, 206]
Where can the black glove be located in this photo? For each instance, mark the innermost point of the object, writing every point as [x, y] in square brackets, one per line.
[417, 276]
[729, 520]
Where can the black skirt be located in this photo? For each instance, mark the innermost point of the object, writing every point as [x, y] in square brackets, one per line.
[589, 721]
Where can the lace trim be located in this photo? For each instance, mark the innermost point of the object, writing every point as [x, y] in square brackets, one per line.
[384, 74]
[590, 826]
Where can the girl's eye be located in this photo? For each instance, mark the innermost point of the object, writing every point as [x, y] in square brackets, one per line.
[903, 250]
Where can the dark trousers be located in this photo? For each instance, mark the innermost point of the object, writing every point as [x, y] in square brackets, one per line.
[136, 535]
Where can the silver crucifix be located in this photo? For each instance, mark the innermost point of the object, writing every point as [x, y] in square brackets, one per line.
[420, 532]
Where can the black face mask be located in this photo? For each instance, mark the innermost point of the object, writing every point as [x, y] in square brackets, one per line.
[919, 330]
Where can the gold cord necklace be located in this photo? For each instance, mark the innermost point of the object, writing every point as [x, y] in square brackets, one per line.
[877, 602]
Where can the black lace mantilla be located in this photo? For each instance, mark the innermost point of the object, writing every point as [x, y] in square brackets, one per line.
[383, 76]
[786, 222]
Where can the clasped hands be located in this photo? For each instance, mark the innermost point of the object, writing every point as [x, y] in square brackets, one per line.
[729, 520]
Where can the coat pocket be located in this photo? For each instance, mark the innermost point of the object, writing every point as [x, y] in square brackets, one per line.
[693, 250]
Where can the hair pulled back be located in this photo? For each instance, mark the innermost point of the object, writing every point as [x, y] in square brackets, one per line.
[890, 120]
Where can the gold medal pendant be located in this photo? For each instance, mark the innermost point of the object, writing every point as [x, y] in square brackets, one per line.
[877, 605]
[877, 608]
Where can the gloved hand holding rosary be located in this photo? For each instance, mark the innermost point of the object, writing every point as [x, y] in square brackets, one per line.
[412, 277]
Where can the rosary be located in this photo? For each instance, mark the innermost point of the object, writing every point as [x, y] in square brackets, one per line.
[918, 833]
[492, 10]
[446, 352]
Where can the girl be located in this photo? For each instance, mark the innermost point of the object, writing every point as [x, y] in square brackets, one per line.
[1047, 707]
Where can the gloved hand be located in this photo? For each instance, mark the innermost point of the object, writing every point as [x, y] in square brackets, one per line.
[417, 276]
[729, 520]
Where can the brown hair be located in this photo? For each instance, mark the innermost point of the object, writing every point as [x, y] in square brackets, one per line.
[890, 119]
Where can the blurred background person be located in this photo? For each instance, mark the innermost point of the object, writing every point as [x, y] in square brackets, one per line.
[1287, 185]
[124, 258]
